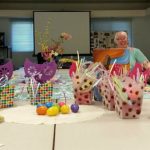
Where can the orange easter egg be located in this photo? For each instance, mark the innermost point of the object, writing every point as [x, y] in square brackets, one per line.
[41, 110]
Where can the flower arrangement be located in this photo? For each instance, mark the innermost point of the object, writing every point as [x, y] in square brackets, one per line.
[49, 52]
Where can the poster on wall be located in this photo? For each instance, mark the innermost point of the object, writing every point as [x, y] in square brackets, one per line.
[102, 39]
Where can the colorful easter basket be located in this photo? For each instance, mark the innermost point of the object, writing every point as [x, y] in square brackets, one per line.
[6, 96]
[39, 87]
[6, 90]
[41, 94]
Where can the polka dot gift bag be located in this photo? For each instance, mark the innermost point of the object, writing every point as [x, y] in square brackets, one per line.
[107, 92]
[82, 89]
[129, 96]
[84, 78]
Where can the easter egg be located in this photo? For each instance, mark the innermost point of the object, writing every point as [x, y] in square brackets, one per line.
[61, 103]
[41, 110]
[38, 105]
[74, 108]
[65, 109]
[56, 105]
[49, 104]
[52, 111]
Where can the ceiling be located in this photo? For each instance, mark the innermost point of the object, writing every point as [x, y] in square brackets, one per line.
[74, 4]
[74, 1]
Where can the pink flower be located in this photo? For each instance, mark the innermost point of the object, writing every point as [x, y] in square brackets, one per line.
[47, 55]
[49, 52]
[50, 49]
[65, 36]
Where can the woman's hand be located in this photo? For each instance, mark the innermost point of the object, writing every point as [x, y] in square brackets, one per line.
[146, 65]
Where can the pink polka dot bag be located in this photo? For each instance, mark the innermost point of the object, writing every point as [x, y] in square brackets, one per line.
[107, 92]
[82, 89]
[129, 97]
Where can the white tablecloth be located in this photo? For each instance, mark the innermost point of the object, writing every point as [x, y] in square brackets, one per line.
[26, 114]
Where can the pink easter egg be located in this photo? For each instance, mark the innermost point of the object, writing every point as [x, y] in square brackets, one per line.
[61, 103]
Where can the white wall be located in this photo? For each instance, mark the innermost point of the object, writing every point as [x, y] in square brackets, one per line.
[141, 34]
[19, 58]
[140, 29]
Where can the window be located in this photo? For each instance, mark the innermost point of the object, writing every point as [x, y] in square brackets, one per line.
[22, 36]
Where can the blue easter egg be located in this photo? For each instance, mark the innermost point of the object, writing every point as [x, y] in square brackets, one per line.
[39, 105]
[49, 104]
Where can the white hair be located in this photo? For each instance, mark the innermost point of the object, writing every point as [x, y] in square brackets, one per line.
[118, 34]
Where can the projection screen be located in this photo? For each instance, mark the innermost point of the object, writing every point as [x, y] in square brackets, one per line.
[54, 23]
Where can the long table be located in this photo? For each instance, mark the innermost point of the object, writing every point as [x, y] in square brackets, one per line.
[107, 132]
[15, 136]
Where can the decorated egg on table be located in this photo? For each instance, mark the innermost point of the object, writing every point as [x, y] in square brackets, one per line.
[65, 109]
[49, 104]
[74, 108]
[56, 105]
[52, 111]
[61, 103]
[39, 105]
[41, 110]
